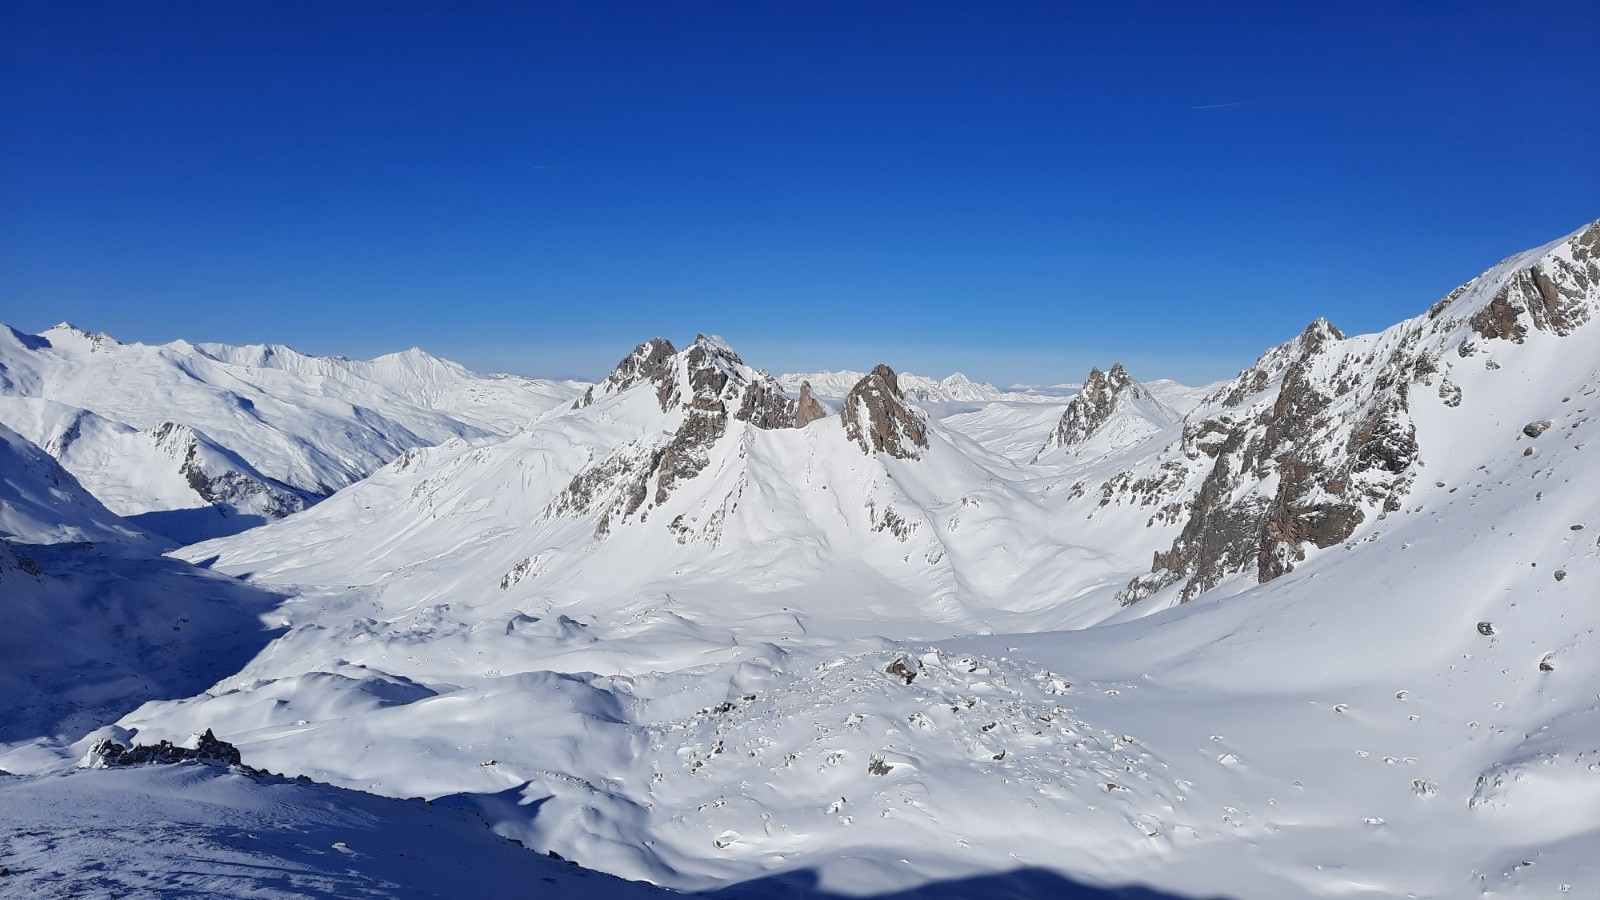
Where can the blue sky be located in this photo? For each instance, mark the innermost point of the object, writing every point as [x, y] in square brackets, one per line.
[1016, 190]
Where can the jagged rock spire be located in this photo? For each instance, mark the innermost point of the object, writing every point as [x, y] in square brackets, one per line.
[1092, 406]
[808, 410]
[877, 418]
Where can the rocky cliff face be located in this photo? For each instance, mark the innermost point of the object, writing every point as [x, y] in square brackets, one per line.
[1318, 436]
[876, 417]
[809, 409]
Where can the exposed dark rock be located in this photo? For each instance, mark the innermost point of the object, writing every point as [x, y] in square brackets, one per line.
[1449, 392]
[765, 406]
[651, 362]
[13, 559]
[209, 750]
[877, 766]
[1092, 407]
[808, 410]
[1486, 628]
[903, 668]
[877, 418]
[689, 451]
[1338, 437]
[1534, 429]
[1551, 295]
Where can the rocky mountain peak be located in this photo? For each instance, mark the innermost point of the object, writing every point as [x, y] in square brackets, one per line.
[876, 417]
[70, 332]
[809, 409]
[707, 377]
[712, 388]
[1319, 332]
[650, 361]
[1093, 406]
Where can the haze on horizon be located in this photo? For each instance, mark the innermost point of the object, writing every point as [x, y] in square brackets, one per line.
[1017, 193]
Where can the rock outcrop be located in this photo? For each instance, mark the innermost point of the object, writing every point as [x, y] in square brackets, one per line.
[1550, 295]
[208, 750]
[809, 409]
[222, 479]
[876, 417]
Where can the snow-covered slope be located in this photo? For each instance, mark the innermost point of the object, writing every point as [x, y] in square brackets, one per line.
[227, 834]
[95, 622]
[41, 503]
[197, 440]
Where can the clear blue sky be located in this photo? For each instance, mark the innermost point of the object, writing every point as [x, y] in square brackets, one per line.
[1017, 190]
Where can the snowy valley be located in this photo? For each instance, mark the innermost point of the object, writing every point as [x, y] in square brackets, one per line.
[1326, 629]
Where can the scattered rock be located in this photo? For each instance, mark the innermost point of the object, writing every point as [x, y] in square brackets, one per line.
[1486, 628]
[903, 668]
[876, 766]
[1534, 429]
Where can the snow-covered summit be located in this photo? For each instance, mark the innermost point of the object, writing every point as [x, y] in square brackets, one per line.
[1111, 405]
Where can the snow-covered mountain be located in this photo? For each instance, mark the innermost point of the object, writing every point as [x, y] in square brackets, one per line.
[956, 388]
[688, 481]
[1112, 413]
[196, 440]
[1326, 631]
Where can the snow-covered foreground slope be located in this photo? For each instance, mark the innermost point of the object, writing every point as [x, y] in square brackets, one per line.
[196, 440]
[222, 834]
[698, 632]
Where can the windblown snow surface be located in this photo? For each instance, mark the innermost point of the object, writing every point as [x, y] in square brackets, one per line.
[1326, 630]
